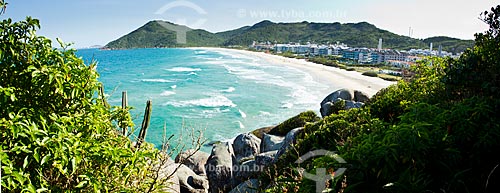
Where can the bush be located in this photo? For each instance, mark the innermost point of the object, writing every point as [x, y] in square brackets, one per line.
[370, 73]
[55, 133]
[299, 120]
[351, 69]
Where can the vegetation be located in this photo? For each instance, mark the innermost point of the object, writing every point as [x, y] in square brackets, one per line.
[155, 34]
[436, 133]
[299, 120]
[370, 73]
[56, 131]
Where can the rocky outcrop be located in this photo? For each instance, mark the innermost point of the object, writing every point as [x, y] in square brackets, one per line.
[249, 186]
[261, 131]
[193, 159]
[246, 146]
[342, 99]
[290, 140]
[219, 167]
[266, 158]
[190, 182]
[246, 170]
[167, 171]
[271, 143]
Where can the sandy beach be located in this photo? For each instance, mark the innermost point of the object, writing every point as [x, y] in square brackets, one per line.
[336, 78]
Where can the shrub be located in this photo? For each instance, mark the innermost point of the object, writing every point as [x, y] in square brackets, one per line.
[370, 73]
[55, 133]
[299, 120]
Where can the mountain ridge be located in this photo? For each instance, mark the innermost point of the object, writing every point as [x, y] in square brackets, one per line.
[361, 34]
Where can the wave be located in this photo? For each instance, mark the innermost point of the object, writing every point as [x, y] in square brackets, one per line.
[241, 125]
[167, 93]
[173, 86]
[216, 101]
[183, 69]
[230, 89]
[243, 115]
[156, 80]
[264, 113]
[286, 105]
[193, 73]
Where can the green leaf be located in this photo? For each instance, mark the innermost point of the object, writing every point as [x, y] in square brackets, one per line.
[82, 184]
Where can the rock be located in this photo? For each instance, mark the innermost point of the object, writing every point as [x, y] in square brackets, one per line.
[271, 143]
[245, 147]
[246, 171]
[249, 186]
[290, 140]
[360, 96]
[344, 94]
[326, 109]
[190, 182]
[260, 132]
[196, 162]
[166, 171]
[219, 167]
[265, 159]
[299, 120]
[352, 104]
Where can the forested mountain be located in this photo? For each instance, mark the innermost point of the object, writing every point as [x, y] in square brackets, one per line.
[363, 34]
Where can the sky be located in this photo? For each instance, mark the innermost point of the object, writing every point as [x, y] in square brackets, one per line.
[97, 22]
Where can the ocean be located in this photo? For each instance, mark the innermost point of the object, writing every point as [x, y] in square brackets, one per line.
[221, 93]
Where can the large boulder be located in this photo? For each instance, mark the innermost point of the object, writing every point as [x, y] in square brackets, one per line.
[266, 159]
[167, 171]
[249, 186]
[344, 94]
[245, 147]
[260, 132]
[271, 143]
[190, 182]
[290, 140]
[219, 167]
[246, 170]
[299, 120]
[360, 96]
[342, 99]
[193, 159]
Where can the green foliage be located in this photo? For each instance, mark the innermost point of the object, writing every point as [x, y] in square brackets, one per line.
[466, 76]
[299, 120]
[436, 133]
[370, 73]
[55, 135]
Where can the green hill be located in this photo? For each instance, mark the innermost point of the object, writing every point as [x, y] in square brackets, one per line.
[159, 34]
[163, 34]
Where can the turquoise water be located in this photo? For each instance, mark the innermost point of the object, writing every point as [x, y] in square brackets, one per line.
[222, 93]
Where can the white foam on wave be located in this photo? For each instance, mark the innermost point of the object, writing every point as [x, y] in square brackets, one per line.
[286, 105]
[173, 86]
[183, 69]
[167, 93]
[243, 114]
[228, 90]
[156, 80]
[264, 113]
[241, 125]
[215, 101]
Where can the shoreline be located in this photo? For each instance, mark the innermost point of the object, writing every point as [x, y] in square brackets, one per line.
[334, 78]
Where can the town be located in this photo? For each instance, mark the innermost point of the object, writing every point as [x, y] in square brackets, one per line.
[358, 56]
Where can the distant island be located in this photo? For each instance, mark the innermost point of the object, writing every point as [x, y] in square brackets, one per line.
[155, 34]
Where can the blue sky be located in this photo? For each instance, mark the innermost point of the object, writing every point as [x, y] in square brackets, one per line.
[96, 22]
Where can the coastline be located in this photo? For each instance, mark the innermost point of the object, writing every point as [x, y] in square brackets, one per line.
[335, 78]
